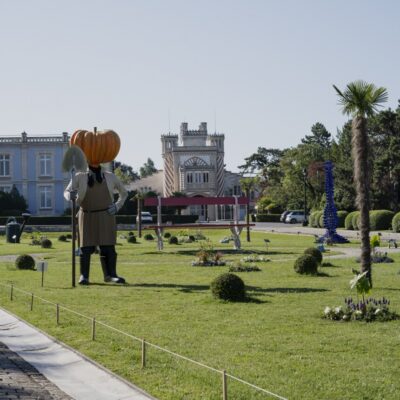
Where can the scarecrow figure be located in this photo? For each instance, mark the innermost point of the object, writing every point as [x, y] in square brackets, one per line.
[94, 193]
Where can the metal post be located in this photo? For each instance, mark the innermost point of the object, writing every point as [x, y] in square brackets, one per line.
[224, 386]
[73, 212]
[11, 292]
[139, 215]
[248, 214]
[143, 353]
[32, 302]
[58, 314]
[305, 196]
[42, 275]
[94, 328]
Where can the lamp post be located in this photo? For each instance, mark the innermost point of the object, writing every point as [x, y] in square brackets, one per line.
[305, 195]
[139, 197]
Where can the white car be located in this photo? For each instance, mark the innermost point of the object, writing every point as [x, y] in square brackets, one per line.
[295, 217]
[145, 217]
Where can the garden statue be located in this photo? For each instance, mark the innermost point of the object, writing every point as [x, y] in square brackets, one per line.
[93, 191]
[330, 212]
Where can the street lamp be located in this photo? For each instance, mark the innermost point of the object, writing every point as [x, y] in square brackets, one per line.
[305, 195]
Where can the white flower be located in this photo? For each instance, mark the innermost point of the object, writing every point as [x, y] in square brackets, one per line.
[377, 311]
[345, 317]
[358, 312]
[338, 310]
[327, 310]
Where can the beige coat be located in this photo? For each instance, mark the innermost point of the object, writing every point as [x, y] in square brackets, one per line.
[113, 185]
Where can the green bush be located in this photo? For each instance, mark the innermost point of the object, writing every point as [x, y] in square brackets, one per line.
[25, 261]
[131, 233]
[321, 220]
[192, 238]
[396, 223]
[313, 251]
[173, 240]
[341, 218]
[148, 236]
[46, 243]
[62, 238]
[131, 239]
[68, 236]
[306, 264]
[355, 221]
[375, 241]
[268, 217]
[228, 287]
[313, 219]
[348, 221]
[274, 208]
[167, 235]
[380, 219]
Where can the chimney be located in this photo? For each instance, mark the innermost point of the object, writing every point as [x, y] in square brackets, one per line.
[203, 127]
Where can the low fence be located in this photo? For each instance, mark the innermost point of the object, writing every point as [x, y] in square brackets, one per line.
[144, 344]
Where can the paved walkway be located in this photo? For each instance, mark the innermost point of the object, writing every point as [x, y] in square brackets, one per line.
[36, 367]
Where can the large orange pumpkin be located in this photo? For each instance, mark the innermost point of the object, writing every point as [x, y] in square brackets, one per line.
[98, 146]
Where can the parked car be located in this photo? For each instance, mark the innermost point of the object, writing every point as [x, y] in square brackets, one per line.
[284, 215]
[145, 217]
[295, 217]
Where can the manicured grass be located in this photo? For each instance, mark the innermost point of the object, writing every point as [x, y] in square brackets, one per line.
[277, 340]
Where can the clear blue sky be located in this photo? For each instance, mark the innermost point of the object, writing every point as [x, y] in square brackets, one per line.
[264, 68]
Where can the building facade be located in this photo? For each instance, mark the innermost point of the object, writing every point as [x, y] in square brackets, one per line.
[33, 166]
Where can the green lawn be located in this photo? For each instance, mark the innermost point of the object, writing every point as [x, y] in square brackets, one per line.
[277, 340]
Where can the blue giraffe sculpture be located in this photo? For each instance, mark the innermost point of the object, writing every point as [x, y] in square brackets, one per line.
[330, 213]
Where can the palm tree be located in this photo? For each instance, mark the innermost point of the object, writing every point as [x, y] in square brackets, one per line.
[360, 100]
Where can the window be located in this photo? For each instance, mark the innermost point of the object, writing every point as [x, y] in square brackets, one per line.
[45, 164]
[189, 177]
[5, 189]
[45, 193]
[4, 165]
[205, 177]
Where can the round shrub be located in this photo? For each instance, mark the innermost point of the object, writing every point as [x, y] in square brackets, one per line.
[341, 218]
[68, 236]
[131, 239]
[348, 221]
[148, 236]
[306, 264]
[167, 235]
[25, 261]
[131, 233]
[192, 238]
[173, 240]
[46, 243]
[228, 287]
[396, 223]
[62, 238]
[317, 218]
[355, 221]
[312, 219]
[316, 253]
[321, 221]
[380, 219]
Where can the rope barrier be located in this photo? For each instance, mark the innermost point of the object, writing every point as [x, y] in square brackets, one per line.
[223, 372]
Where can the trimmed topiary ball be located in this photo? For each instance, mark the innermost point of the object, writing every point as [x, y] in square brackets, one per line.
[62, 238]
[192, 238]
[46, 243]
[25, 261]
[316, 253]
[148, 236]
[167, 235]
[306, 264]
[228, 287]
[131, 233]
[173, 240]
[131, 239]
[68, 236]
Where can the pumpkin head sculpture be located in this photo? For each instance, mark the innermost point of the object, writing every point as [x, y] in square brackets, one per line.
[99, 146]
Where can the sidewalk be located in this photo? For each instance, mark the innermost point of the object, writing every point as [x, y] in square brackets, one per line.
[35, 366]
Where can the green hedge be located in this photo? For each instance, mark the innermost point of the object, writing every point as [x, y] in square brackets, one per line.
[380, 219]
[268, 217]
[396, 223]
[348, 221]
[341, 218]
[313, 219]
[321, 220]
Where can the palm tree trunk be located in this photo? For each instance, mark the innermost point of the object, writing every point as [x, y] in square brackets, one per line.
[359, 145]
